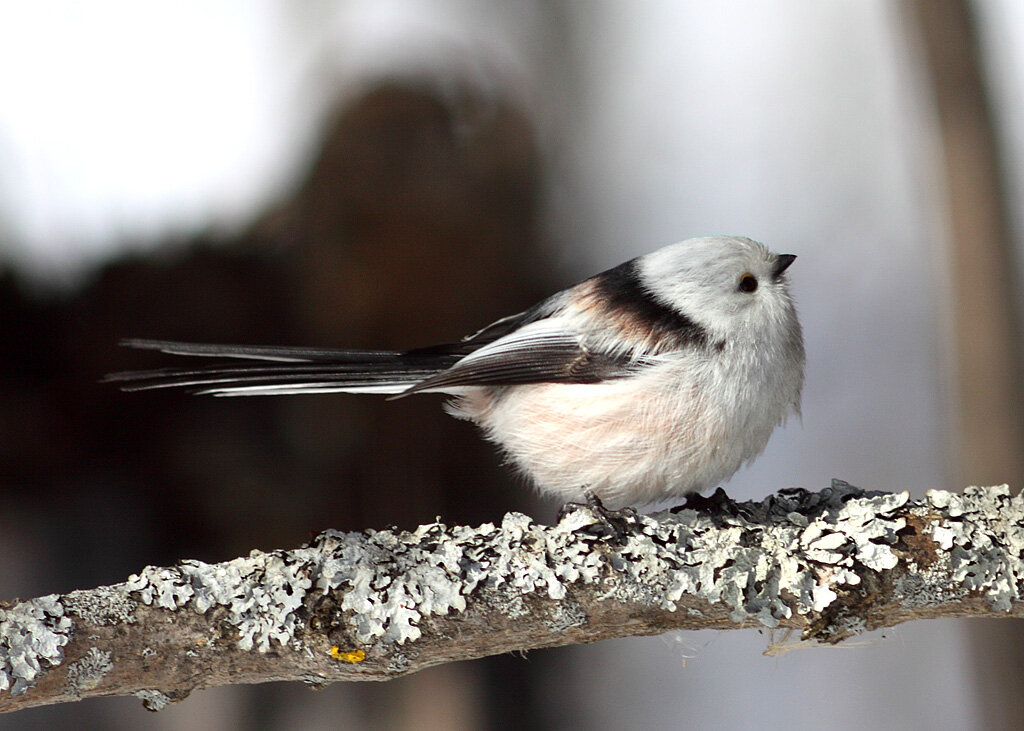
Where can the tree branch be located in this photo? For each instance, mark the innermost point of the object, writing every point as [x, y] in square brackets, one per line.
[380, 604]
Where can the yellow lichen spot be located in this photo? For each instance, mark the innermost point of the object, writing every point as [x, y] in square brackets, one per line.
[352, 656]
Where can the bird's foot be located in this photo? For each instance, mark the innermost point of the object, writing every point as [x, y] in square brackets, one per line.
[614, 524]
[715, 503]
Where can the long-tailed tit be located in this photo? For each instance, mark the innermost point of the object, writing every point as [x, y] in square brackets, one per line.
[648, 381]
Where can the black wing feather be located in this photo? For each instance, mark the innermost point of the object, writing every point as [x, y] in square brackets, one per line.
[545, 355]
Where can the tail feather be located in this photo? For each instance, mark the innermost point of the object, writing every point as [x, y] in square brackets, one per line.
[261, 352]
[296, 370]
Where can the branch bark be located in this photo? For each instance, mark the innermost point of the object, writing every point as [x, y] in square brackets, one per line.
[380, 604]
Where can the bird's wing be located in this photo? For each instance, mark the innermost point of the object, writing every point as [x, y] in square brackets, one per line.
[544, 351]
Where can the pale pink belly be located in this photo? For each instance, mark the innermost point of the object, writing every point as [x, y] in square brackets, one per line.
[609, 438]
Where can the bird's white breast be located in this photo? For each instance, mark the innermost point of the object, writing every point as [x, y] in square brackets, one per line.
[675, 427]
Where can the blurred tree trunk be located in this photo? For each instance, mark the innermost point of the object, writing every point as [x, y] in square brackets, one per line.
[417, 225]
[988, 429]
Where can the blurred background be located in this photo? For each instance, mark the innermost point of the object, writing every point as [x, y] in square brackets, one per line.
[398, 173]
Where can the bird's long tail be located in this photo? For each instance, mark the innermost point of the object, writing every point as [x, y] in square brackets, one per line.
[285, 370]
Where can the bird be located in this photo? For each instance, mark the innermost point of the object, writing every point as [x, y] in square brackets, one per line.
[655, 379]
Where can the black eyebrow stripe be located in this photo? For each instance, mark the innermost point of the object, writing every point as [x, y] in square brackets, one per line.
[622, 290]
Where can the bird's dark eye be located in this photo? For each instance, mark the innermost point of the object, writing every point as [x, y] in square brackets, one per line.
[748, 283]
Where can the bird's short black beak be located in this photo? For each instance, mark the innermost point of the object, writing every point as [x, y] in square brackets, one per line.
[782, 264]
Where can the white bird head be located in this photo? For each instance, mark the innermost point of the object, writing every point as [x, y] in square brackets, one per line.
[733, 287]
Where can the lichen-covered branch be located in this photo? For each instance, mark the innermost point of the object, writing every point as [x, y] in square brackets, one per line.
[379, 604]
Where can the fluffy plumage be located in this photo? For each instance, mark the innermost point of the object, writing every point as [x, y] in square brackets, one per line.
[648, 381]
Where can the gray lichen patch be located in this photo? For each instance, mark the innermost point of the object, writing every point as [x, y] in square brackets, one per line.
[261, 592]
[982, 533]
[104, 605]
[763, 566]
[791, 553]
[32, 637]
[763, 561]
[393, 580]
[86, 673]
